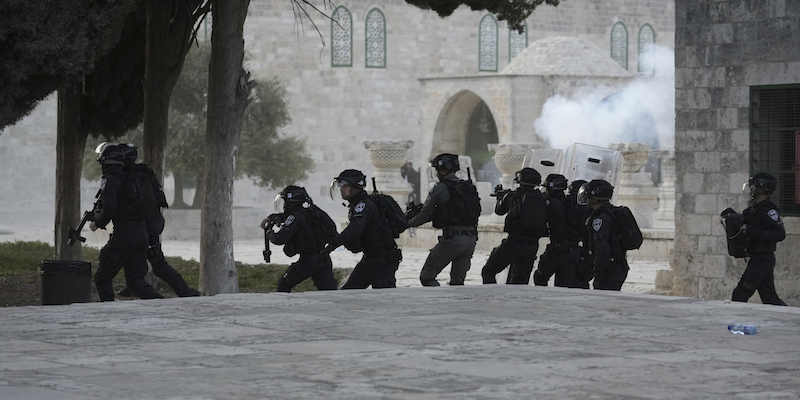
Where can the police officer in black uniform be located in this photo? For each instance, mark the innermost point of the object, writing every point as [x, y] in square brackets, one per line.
[459, 236]
[608, 256]
[154, 221]
[127, 246]
[368, 231]
[764, 229]
[561, 255]
[296, 234]
[520, 247]
[583, 269]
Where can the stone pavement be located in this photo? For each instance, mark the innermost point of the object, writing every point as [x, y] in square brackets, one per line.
[469, 342]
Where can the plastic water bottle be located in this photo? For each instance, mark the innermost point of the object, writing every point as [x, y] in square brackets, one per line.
[743, 329]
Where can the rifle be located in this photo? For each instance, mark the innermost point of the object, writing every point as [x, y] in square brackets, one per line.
[469, 176]
[267, 253]
[75, 234]
[499, 192]
[374, 188]
[412, 209]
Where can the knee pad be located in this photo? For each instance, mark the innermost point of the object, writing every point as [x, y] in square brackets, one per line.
[153, 250]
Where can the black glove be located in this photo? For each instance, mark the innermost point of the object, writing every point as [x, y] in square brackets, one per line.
[329, 248]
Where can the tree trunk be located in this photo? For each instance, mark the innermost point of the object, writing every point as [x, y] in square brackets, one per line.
[228, 94]
[70, 142]
[199, 193]
[178, 203]
[156, 89]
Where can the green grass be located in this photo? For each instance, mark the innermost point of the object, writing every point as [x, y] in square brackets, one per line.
[20, 282]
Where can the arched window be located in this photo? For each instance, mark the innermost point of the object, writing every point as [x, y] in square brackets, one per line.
[487, 44]
[517, 41]
[342, 34]
[619, 44]
[376, 39]
[647, 50]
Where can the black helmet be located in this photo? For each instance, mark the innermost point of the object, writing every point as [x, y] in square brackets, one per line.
[130, 152]
[348, 177]
[528, 176]
[446, 161]
[764, 182]
[109, 154]
[597, 189]
[294, 195]
[555, 182]
[575, 186]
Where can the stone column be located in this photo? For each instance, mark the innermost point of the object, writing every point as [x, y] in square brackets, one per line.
[387, 156]
[509, 158]
[636, 189]
[666, 190]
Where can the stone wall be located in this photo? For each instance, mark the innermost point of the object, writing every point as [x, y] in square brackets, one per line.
[722, 48]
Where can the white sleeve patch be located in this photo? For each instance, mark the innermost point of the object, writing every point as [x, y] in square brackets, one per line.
[360, 207]
[289, 220]
[773, 214]
[597, 224]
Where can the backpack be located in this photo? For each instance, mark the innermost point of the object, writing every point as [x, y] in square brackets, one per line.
[322, 226]
[736, 239]
[145, 174]
[529, 212]
[139, 193]
[628, 233]
[464, 203]
[393, 213]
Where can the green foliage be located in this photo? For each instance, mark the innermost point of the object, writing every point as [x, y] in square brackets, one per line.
[51, 44]
[20, 257]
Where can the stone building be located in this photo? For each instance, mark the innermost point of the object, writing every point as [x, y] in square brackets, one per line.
[737, 91]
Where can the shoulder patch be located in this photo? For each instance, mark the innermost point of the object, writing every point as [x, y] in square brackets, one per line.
[289, 220]
[773, 214]
[360, 207]
[597, 224]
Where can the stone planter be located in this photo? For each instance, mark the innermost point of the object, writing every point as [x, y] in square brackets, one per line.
[509, 158]
[387, 156]
[636, 189]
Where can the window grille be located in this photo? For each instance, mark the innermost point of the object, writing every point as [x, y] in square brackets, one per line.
[376, 39]
[619, 44]
[647, 50]
[487, 43]
[517, 41]
[342, 34]
[775, 134]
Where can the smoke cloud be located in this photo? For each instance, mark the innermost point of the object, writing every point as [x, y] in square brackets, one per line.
[642, 111]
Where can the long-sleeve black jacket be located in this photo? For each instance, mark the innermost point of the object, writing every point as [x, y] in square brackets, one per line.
[114, 201]
[295, 234]
[603, 244]
[764, 227]
[368, 228]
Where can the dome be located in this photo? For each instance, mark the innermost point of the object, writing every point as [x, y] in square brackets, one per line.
[564, 56]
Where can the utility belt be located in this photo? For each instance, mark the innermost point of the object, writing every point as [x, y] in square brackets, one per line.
[564, 245]
[522, 240]
[391, 254]
[449, 232]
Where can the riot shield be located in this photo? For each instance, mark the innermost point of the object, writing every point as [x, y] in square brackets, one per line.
[544, 161]
[587, 162]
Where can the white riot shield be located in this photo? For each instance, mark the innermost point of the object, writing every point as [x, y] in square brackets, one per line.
[583, 161]
[544, 161]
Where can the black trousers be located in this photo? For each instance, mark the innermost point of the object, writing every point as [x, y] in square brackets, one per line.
[560, 259]
[517, 254]
[126, 250]
[378, 270]
[613, 277]
[315, 266]
[161, 268]
[759, 275]
[583, 270]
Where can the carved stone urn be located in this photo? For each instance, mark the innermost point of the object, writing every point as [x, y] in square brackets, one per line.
[636, 189]
[387, 156]
[509, 158]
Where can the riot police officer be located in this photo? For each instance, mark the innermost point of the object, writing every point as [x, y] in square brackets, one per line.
[298, 219]
[583, 269]
[525, 210]
[561, 255]
[154, 221]
[608, 256]
[368, 231]
[459, 232]
[127, 246]
[764, 229]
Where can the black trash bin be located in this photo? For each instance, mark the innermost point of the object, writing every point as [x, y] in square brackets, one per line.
[66, 282]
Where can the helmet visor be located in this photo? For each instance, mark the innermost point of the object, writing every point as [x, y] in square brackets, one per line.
[583, 196]
[280, 204]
